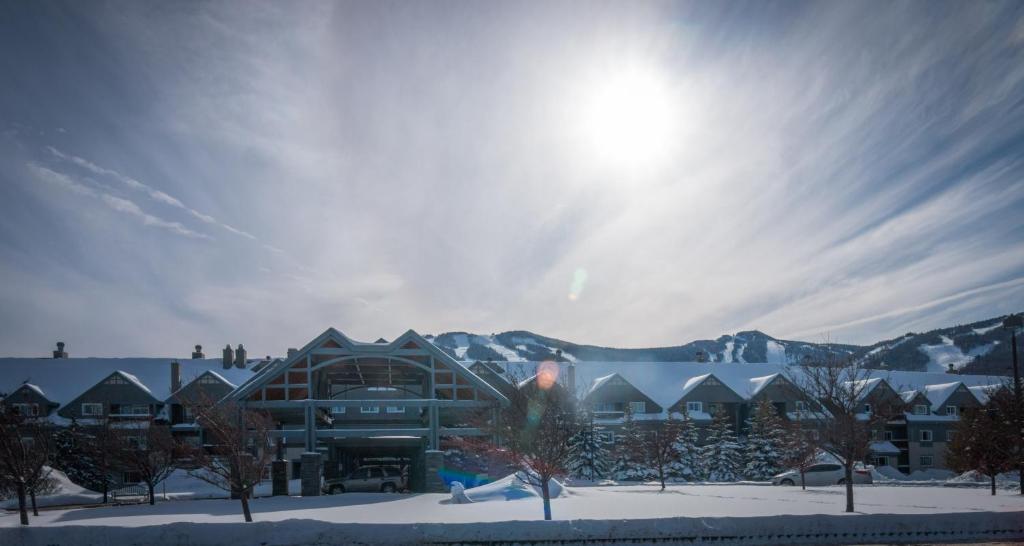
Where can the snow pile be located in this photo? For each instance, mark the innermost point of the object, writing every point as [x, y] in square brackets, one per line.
[511, 487]
[931, 474]
[66, 493]
[1006, 480]
[887, 474]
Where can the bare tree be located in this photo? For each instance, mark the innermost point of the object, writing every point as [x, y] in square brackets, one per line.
[983, 440]
[800, 449]
[662, 446]
[147, 449]
[537, 428]
[839, 386]
[25, 452]
[238, 448]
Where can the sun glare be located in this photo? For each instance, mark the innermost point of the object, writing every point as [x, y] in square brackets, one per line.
[628, 119]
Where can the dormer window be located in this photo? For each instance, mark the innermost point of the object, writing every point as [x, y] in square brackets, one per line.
[920, 409]
[952, 411]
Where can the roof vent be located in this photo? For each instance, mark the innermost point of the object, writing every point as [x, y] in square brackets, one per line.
[198, 353]
[229, 356]
[60, 352]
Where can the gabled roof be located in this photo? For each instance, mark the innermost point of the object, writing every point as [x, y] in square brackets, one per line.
[210, 373]
[601, 381]
[983, 392]
[382, 349]
[758, 384]
[938, 394]
[691, 384]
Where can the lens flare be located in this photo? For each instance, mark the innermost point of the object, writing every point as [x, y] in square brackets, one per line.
[547, 375]
[578, 283]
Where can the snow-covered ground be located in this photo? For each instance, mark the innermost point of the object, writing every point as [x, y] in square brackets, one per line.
[597, 502]
[692, 513]
[942, 355]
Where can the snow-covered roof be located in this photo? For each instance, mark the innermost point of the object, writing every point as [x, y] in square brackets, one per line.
[909, 396]
[757, 384]
[938, 394]
[599, 382]
[64, 379]
[666, 382]
[34, 387]
[866, 386]
[883, 448]
[982, 392]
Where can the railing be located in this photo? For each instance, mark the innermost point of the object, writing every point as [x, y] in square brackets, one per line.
[130, 492]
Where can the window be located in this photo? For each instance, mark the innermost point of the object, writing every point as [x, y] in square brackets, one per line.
[338, 410]
[134, 409]
[638, 407]
[951, 410]
[115, 380]
[90, 408]
[920, 409]
[187, 413]
[607, 407]
[396, 409]
[887, 436]
[926, 460]
[874, 435]
[714, 408]
[381, 389]
[695, 407]
[824, 468]
[800, 405]
[880, 460]
[949, 435]
[926, 436]
[369, 409]
[867, 408]
[26, 409]
[711, 382]
[208, 380]
[606, 437]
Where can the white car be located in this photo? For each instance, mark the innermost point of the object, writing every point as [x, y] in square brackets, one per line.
[823, 474]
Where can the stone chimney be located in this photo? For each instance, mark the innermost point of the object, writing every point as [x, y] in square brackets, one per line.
[175, 376]
[292, 351]
[60, 353]
[951, 369]
[198, 353]
[240, 356]
[229, 356]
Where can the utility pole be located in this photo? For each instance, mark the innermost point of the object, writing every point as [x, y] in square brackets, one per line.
[1014, 323]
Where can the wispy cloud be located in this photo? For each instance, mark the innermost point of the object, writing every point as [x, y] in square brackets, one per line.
[153, 193]
[114, 202]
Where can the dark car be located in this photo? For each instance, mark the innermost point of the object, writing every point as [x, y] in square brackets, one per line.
[386, 479]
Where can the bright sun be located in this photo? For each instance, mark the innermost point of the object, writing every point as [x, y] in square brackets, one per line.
[628, 120]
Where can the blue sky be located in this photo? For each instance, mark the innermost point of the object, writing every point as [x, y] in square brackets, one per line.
[179, 173]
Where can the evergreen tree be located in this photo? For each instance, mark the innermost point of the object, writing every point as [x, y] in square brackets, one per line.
[590, 458]
[765, 440]
[723, 454]
[629, 452]
[86, 456]
[687, 463]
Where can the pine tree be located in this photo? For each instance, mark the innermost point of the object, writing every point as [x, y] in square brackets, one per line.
[723, 454]
[765, 440]
[629, 452]
[86, 456]
[687, 464]
[590, 458]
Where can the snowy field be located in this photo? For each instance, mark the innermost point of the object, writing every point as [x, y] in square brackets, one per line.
[614, 511]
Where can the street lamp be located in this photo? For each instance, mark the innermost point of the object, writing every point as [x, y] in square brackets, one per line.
[1014, 323]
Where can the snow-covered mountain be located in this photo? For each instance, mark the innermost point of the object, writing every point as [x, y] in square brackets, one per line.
[981, 347]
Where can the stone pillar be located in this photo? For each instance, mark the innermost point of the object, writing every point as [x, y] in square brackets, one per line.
[279, 477]
[310, 474]
[434, 465]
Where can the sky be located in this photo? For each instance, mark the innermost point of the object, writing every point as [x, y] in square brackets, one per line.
[622, 174]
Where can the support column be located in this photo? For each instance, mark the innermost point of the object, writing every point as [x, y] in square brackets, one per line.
[310, 474]
[279, 477]
[435, 426]
[434, 465]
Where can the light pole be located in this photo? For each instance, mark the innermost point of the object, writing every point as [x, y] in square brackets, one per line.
[1014, 323]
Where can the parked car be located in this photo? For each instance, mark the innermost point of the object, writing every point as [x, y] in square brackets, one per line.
[823, 474]
[386, 479]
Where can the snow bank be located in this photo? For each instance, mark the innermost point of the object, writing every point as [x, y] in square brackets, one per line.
[1006, 480]
[511, 487]
[727, 531]
[66, 493]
